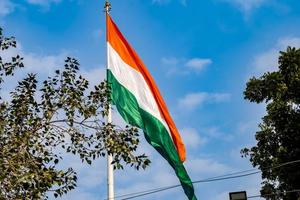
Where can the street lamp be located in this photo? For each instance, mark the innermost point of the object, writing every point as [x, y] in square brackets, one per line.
[238, 195]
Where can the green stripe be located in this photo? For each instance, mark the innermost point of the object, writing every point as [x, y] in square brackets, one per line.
[155, 133]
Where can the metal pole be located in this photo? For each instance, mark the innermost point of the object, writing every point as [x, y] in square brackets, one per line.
[110, 169]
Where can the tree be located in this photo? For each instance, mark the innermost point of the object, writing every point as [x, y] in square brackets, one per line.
[44, 120]
[278, 140]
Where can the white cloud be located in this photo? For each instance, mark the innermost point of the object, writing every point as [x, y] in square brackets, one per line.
[194, 100]
[95, 75]
[43, 2]
[191, 138]
[198, 64]
[246, 6]
[170, 61]
[36, 63]
[268, 60]
[90, 177]
[165, 2]
[43, 65]
[205, 167]
[161, 2]
[216, 133]
[6, 7]
[289, 41]
[190, 65]
[244, 128]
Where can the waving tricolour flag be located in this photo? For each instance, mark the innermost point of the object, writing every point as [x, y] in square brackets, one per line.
[140, 103]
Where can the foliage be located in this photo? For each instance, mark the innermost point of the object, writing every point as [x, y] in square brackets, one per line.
[278, 140]
[44, 120]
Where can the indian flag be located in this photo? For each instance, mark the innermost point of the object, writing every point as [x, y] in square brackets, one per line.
[140, 103]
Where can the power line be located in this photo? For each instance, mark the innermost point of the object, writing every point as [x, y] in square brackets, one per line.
[170, 187]
[250, 197]
[216, 178]
[275, 193]
[234, 175]
[199, 181]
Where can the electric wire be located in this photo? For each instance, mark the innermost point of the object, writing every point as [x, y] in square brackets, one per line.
[234, 175]
[164, 188]
[199, 181]
[273, 194]
[217, 178]
[211, 179]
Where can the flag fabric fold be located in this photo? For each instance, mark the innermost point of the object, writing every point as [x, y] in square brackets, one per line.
[138, 100]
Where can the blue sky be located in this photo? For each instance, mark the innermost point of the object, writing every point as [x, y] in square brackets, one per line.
[201, 53]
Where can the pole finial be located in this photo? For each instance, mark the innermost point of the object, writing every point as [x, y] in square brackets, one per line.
[107, 6]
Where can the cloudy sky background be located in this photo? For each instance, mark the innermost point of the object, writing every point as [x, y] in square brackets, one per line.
[201, 53]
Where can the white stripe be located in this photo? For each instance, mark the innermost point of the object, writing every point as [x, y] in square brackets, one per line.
[133, 81]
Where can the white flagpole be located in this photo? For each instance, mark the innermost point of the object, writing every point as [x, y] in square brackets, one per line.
[110, 169]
